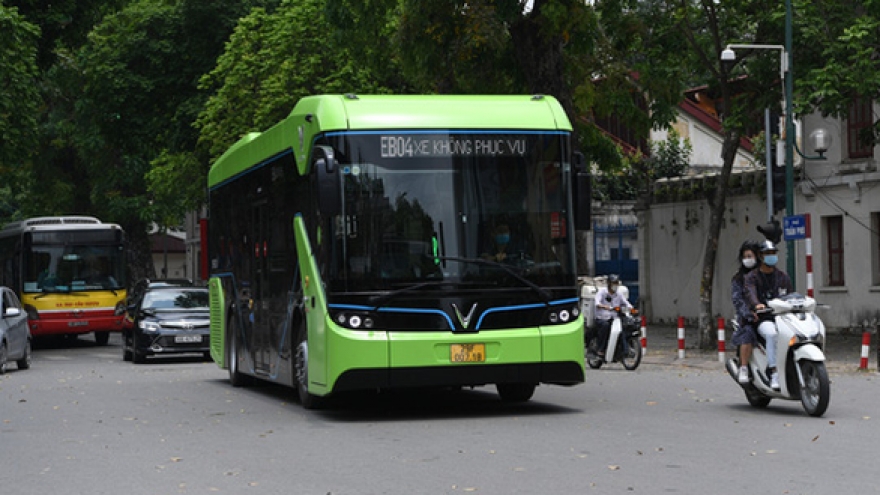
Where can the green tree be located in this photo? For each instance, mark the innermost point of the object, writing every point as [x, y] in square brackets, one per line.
[707, 27]
[837, 56]
[592, 56]
[139, 75]
[64, 24]
[19, 105]
[272, 60]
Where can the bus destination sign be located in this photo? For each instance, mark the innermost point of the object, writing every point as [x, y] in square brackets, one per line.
[426, 146]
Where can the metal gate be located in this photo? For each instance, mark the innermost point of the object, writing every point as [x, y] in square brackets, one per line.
[615, 249]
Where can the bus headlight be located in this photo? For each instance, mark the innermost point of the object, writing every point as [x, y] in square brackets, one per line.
[563, 315]
[354, 320]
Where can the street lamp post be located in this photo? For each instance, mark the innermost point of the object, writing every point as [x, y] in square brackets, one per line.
[728, 55]
[789, 142]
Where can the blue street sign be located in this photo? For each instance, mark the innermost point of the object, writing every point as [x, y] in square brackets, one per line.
[794, 227]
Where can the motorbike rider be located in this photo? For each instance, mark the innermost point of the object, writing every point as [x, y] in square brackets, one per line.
[607, 298]
[744, 337]
[762, 285]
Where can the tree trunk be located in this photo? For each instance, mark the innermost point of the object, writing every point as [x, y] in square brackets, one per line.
[716, 207]
[140, 255]
[541, 59]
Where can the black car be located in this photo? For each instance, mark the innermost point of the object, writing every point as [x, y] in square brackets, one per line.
[167, 320]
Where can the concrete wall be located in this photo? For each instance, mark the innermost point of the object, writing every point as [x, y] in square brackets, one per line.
[674, 237]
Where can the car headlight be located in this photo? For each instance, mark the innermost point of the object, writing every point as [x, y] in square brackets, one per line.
[149, 326]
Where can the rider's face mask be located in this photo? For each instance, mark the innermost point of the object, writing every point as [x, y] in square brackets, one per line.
[771, 259]
[612, 288]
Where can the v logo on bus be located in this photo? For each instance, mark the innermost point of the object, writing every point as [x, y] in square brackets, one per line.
[465, 320]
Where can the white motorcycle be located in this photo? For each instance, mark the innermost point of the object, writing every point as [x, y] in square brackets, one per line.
[800, 360]
[623, 342]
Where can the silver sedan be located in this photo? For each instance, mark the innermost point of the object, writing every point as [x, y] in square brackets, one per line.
[15, 336]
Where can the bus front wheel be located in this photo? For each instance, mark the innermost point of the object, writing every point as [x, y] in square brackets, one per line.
[236, 377]
[101, 338]
[301, 371]
[515, 392]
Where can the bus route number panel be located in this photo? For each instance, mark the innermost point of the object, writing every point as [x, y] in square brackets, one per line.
[467, 353]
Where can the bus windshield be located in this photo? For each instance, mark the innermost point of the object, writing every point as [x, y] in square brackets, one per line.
[482, 209]
[72, 267]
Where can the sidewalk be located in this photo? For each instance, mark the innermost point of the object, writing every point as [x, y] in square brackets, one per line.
[842, 351]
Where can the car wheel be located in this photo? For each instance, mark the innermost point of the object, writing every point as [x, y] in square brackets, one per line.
[25, 361]
[4, 355]
[136, 356]
[126, 350]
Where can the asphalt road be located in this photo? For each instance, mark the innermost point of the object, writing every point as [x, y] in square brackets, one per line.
[83, 421]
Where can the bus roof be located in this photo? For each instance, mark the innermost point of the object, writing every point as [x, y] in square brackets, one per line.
[68, 222]
[313, 115]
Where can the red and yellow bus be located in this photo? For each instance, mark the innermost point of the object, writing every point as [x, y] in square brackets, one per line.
[69, 272]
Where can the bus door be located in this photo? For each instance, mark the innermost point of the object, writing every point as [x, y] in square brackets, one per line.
[261, 333]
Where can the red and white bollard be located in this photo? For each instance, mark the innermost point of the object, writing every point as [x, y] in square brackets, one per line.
[681, 337]
[866, 348]
[644, 339]
[722, 352]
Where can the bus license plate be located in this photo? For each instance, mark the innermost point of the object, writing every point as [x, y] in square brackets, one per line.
[188, 339]
[77, 323]
[467, 353]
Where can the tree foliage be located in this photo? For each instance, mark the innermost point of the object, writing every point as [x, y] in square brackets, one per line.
[272, 60]
[19, 99]
[837, 55]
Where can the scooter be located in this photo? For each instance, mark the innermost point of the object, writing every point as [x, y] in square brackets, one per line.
[623, 342]
[800, 359]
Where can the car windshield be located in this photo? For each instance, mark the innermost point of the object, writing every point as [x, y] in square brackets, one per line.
[176, 299]
[421, 207]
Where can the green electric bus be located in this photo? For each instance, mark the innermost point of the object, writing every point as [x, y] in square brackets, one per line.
[382, 242]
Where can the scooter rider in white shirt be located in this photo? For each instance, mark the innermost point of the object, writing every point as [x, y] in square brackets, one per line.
[608, 298]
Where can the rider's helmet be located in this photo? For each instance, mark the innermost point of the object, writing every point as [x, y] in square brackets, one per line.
[766, 246]
[613, 282]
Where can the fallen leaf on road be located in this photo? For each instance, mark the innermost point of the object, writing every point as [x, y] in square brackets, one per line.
[815, 438]
[614, 467]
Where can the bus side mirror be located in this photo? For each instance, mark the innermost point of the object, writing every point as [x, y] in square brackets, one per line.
[329, 185]
[583, 197]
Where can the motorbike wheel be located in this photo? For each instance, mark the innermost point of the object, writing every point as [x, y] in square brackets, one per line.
[593, 359]
[756, 398]
[632, 355]
[816, 393]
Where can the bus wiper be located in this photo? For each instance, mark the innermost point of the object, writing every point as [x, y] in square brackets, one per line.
[543, 293]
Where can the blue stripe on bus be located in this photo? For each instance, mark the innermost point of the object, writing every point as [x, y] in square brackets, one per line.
[520, 307]
[248, 170]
